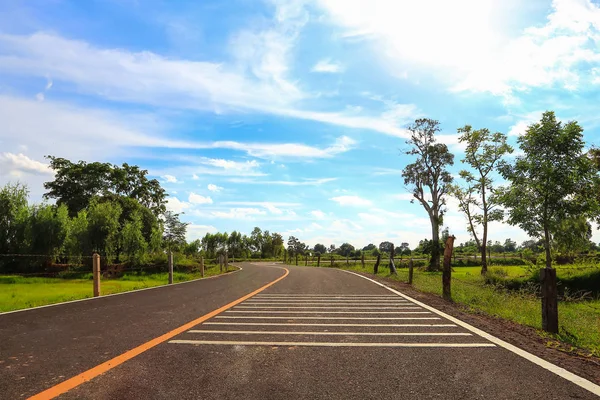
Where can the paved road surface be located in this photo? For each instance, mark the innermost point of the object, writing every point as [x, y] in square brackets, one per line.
[317, 333]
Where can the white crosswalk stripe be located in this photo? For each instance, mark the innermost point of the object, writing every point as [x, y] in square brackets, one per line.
[357, 320]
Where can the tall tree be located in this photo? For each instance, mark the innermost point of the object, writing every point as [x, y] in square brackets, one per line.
[174, 231]
[483, 153]
[76, 184]
[553, 180]
[428, 178]
[320, 248]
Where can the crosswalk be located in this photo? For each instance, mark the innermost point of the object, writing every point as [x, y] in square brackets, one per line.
[332, 320]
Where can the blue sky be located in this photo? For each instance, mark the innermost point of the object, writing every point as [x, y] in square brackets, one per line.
[288, 115]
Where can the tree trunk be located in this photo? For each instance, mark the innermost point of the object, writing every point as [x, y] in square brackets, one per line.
[484, 264]
[547, 246]
[434, 262]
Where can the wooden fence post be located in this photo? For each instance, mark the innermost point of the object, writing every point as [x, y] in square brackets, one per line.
[319, 260]
[549, 300]
[447, 273]
[376, 267]
[96, 274]
[410, 271]
[202, 267]
[221, 263]
[170, 263]
[332, 261]
[306, 260]
[226, 263]
[347, 260]
[362, 260]
[296, 259]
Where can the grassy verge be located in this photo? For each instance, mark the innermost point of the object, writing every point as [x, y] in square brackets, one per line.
[579, 320]
[18, 292]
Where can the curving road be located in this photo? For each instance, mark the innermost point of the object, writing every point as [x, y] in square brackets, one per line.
[315, 333]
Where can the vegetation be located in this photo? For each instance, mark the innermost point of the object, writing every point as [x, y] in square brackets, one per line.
[483, 152]
[554, 180]
[428, 178]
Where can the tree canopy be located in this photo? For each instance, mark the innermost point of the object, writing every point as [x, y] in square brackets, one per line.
[553, 180]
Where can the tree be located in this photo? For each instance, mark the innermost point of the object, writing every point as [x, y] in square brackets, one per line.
[331, 248]
[49, 228]
[553, 180]
[483, 153]
[428, 178]
[132, 240]
[346, 250]
[572, 236]
[387, 247]
[103, 227]
[320, 248]
[404, 249]
[369, 247]
[14, 213]
[510, 245]
[256, 238]
[76, 184]
[234, 244]
[174, 231]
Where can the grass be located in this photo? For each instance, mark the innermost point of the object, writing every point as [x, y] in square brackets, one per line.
[18, 292]
[579, 320]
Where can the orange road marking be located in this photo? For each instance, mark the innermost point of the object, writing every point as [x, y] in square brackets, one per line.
[91, 373]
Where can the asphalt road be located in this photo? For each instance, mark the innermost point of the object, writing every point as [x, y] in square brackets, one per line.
[317, 333]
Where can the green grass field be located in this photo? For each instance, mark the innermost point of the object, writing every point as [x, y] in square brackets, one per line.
[17, 292]
[579, 320]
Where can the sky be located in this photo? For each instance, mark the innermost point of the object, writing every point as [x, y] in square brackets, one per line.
[289, 115]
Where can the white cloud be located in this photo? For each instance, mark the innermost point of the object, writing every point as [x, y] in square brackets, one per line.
[238, 213]
[403, 196]
[40, 97]
[318, 214]
[15, 164]
[195, 231]
[214, 188]
[170, 178]
[256, 82]
[351, 201]
[302, 182]
[198, 199]
[177, 206]
[521, 126]
[195, 177]
[562, 52]
[327, 66]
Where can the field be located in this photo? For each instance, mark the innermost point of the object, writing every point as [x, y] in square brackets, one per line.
[17, 292]
[510, 293]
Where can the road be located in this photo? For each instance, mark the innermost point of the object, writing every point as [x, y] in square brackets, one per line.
[315, 333]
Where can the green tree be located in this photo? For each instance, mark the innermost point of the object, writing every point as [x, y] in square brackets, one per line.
[428, 178]
[510, 246]
[346, 250]
[553, 180]
[235, 244]
[572, 236]
[483, 153]
[174, 231]
[256, 238]
[369, 247]
[14, 214]
[49, 227]
[77, 242]
[76, 184]
[320, 248]
[132, 240]
[103, 227]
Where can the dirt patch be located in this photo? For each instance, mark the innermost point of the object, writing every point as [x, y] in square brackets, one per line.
[525, 337]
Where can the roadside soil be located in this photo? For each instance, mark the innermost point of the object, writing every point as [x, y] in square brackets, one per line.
[525, 337]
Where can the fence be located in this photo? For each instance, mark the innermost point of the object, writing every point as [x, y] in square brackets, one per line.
[99, 267]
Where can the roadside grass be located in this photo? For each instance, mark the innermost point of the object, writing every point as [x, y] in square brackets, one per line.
[579, 320]
[18, 292]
